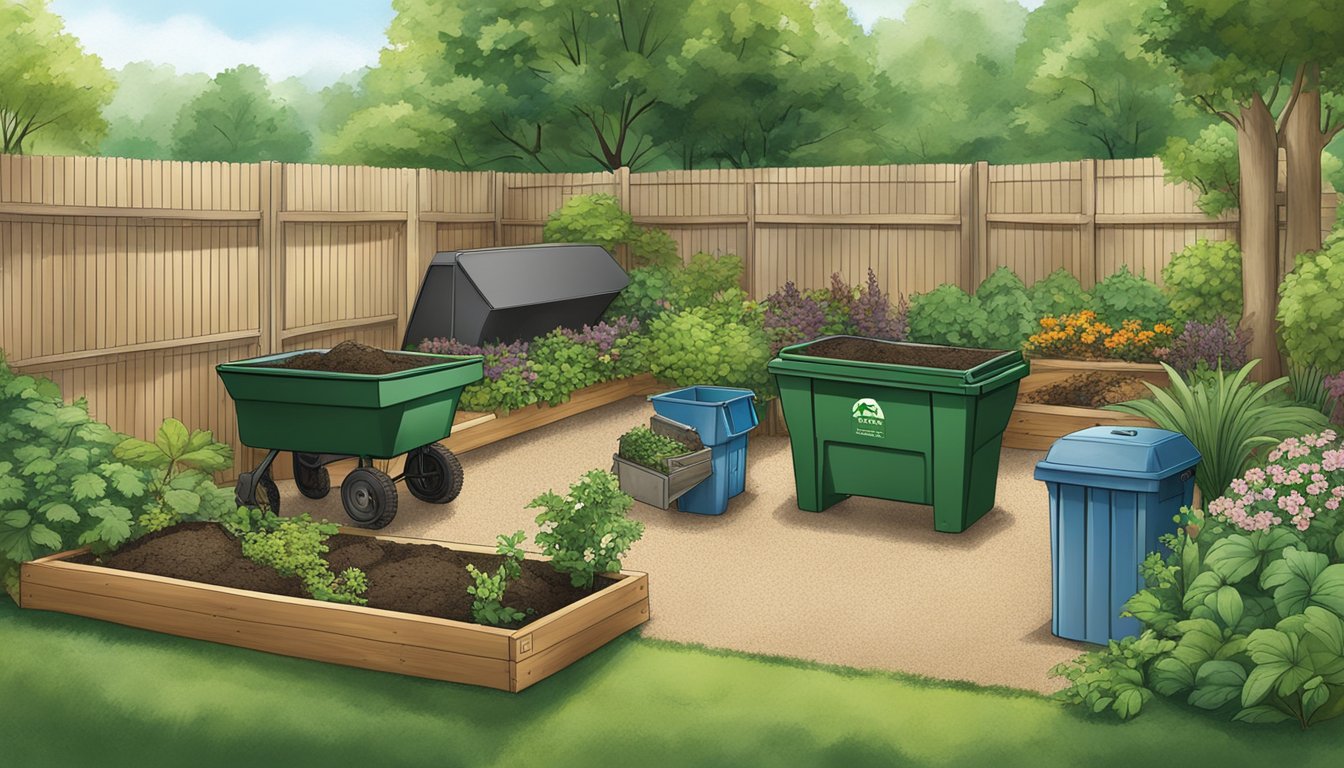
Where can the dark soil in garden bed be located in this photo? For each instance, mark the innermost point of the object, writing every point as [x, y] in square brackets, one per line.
[921, 355]
[353, 357]
[424, 579]
[1089, 390]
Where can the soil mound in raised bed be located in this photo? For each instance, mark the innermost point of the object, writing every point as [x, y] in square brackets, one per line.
[1089, 390]
[921, 355]
[202, 552]
[353, 357]
[424, 579]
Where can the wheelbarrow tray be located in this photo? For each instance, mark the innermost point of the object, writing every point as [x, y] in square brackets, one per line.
[371, 415]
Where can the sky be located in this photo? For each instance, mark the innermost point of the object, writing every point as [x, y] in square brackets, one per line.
[317, 40]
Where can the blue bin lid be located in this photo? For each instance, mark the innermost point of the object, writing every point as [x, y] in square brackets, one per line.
[1136, 453]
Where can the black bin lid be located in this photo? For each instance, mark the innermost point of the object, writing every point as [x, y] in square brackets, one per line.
[540, 274]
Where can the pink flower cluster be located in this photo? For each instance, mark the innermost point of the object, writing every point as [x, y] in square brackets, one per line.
[1304, 478]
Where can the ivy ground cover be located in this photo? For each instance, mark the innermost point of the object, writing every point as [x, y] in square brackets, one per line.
[82, 692]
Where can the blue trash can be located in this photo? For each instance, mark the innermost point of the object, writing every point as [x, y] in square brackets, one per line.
[722, 416]
[1113, 492]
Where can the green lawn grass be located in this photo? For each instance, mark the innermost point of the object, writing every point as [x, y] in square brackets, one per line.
[76, 692]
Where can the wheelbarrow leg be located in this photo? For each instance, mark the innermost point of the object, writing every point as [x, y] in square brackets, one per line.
[245, 490]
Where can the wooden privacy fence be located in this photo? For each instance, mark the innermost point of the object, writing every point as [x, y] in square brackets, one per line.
[127, 281]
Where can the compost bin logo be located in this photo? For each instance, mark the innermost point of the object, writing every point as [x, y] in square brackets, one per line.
[869, 420]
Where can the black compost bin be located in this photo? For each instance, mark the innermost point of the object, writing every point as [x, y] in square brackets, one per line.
[519, 292]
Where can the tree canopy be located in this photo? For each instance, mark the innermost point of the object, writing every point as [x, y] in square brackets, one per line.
[236, 118]
[50, 89]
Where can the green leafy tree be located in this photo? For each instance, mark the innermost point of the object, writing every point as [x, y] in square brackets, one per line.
[1235, 59]
[1209, 163]
[141, 114]
[237, 119]
[949, 70]
[771, 83]
[50, 89]
[1095, 90]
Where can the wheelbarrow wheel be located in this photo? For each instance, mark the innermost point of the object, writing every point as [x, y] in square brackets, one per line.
[313, 482]
[369, 497]
[433, 474]
[266, 495]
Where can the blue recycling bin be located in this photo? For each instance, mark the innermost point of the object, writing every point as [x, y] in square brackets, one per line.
[1113, 492]
[722, 416]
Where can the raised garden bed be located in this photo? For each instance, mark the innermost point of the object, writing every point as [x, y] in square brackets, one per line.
[1036, 426]
[368, 637]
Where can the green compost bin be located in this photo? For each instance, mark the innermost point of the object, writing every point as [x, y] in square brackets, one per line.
[898, 432]
[359, 414]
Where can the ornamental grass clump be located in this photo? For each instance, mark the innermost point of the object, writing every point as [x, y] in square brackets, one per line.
[1082, 336]
[1226, 417]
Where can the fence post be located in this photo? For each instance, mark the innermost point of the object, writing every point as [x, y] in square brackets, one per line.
[969, 231]
[497, 203]
[411, 267]
[1088, 262]
[270, 256]
[749, 257]
[981, 221]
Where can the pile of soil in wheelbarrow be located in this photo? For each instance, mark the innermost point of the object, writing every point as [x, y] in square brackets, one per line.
[353, 357]
[423, 579]
[1089, 390]
[922, 355]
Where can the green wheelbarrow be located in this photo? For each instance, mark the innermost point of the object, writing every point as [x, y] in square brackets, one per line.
[321, 417]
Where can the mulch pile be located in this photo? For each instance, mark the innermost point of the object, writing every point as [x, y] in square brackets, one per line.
[922, 355]
[353, 357]
[1089, 390]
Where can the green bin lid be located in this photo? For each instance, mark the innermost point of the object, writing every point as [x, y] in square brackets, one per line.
[1141, 453]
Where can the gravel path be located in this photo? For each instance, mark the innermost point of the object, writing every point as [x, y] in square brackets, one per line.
[867, 583]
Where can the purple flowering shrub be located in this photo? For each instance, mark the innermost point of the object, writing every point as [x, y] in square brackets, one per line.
[793, 316]
[549, 367]
[871, 316]
[1334, 385]
[1206, 346]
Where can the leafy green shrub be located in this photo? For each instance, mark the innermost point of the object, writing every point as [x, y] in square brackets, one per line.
[1125, 295]
[597, 219]
[62, 484]
[1009, 317]
[837, 305]
[705, 277]
[588, 531]
[645, 297]
[1311, 309]
[180, 463]
[654, 247]
[696, 347]
[948, 315]
[1250, 609]
[561, 366]
[1226, 417]
[294, 546]
[1113, 679]
[1204, 281]
[487, 606]
[647, 448]
[1057, 294]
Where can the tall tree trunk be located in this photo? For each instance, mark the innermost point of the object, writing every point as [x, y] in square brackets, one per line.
[1303, 142]
[1257, 143]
